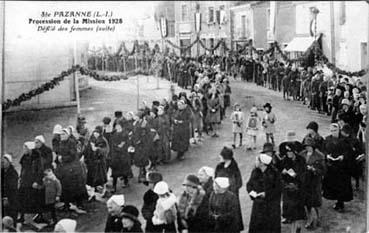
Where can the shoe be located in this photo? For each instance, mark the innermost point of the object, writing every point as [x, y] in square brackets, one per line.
[286, 221]
[234, 146]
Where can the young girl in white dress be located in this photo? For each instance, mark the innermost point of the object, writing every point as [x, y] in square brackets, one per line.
[237, 119]
[252, 128]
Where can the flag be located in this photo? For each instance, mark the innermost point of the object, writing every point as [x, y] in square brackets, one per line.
[198, 22]
[163, 27]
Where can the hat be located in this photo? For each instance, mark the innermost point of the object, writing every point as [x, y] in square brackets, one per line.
[346, 129]
[40, 138]
[130, 212]
[161, 188]
[191, 180]
[117, 199]
[265, 159]
[313, 125]
[155, 103]
[154, 177]
[57, 129]
[208, 171]
[65, 130]
[291, 136]
[67, 225]
[362, 95]
[309, 142]
[118, 114]
[81, 119]
[345, 101]
[267, 147]
[267, 105]
[8, 157]
[106, 120]
[8, 221]
[223, 182]
[226, 153]
[253, 110]
[30, 145]
[98, 129]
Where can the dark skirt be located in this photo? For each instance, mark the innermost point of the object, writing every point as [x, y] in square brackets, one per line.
[30, 200]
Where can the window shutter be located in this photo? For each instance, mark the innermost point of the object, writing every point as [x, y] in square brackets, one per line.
[218, 16]
[208, 15]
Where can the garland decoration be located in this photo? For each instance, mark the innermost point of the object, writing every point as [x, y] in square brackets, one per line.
[184, 47]
[41, 89]
[211, 49]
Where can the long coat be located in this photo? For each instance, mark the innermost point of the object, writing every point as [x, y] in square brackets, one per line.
[96, 161]
[164, 134]
[9, 188]
[46, 156]
[232, 172]
[113, 224]
[225, 206]
[142, 142]
[266, 212]
[71, 173]
[120, 158]
[30, 199]
[213, 114]
[181, 130]
[312, 184]
[148, 208]
[337, 181]
[293, 195]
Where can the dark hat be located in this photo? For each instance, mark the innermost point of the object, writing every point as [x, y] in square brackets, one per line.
[191, 180]
[131, 212]
[346, 129]
[81, 119]
[98, 129]
[309, 142]
[155, 103]
[154, 177]
[118, 114]
[267, 147]
[175, 97]
[267, 105]
[226, 153]
[313, 125]
[106, 120]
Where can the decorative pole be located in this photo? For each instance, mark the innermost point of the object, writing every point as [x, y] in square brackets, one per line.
[367, 138]
[75, 78]
[315, 11]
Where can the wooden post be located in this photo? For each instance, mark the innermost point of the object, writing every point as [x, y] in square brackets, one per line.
[367, 138]
[75, 78]
[138, 84]
[2, 80]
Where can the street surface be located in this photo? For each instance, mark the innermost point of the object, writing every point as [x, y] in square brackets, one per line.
[106, 97]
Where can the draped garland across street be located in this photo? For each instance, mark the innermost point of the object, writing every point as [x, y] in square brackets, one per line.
[56, 81]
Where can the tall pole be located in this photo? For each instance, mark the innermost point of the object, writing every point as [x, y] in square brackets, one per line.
[137, 84]
[333, 36]
[75, 77]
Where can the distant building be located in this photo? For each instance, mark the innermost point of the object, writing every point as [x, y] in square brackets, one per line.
[215, 24]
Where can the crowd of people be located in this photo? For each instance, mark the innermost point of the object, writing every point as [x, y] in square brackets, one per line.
[75, 168]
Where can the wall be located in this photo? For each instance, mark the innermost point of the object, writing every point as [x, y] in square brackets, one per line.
[260, 24]
[285, 22]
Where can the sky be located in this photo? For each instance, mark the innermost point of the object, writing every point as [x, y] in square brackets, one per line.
[19, 33]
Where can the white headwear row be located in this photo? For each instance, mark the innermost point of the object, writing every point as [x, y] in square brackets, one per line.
[30, 145]
[223, 182]
[207, 170]
[66, 225]
[40, 138]
[117, 199]
[265, 159]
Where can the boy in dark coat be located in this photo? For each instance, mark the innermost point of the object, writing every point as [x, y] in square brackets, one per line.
[130, 220]
[265, 188]
[9, 187]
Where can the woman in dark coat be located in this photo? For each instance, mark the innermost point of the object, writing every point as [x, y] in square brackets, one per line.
[29, 194]
[213, 114]
[265, 182]
[205, 175]
[228, 167]
[95, 158]
[337, 181]
[191, 206]
[293, 168]
[181, 129]
[120, 159]
[312, 184]
[45, 152]
[164, 134]
[9, 187]
[141, 142]
[223, 206]
[70, 172]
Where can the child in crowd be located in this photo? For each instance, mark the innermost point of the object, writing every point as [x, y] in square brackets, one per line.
[252, 129]
[268, 123]
[52, 193]
[237, 119]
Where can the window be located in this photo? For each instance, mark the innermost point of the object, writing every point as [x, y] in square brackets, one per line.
[221, 7]
[211, 15]
[184, 13]
[171, 29]
[342, 13]
[243, 26]
[217, 14]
